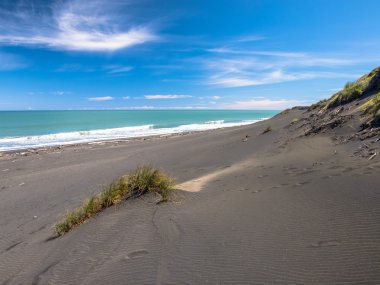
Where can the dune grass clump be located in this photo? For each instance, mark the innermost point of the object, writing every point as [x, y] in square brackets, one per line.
[294, 121]
[351, 91]
[320, 103]
[267, 130]
[147, 179]
[372, 105]
[349, 94]
[139, 182]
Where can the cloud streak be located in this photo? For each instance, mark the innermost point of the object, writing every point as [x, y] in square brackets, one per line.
[61, 93]
[105, 98]
[246, 67]
[158, 96]
[115, 69]
[76, 25]
[264, 104]
[273, 77]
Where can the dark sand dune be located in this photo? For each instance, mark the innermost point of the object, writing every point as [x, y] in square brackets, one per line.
[272, 209]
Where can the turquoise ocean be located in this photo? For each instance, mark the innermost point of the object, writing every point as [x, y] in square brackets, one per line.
[31, 129]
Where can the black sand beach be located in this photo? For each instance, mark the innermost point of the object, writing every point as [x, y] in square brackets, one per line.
[273, 208]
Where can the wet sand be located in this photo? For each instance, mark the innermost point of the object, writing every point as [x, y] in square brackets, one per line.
[253, 208]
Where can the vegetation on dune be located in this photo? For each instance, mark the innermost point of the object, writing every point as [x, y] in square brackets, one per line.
[372, 107]
[147, 179]
[351, 92]
[286, 111]
[139, 182]
[267, 130]
[294, 121]
[318, 104]
[366, 86]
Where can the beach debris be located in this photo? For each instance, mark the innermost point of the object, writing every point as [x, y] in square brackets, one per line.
[372, 156]
[35, 217]
[21, 184]
[246, 138]
[5, 170]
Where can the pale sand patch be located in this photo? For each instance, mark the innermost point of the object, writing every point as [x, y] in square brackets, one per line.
[197, 184]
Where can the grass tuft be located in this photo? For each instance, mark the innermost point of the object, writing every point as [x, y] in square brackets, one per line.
[372, 107]
[351, 91]
[143, 180]
[267, 130]
[294, 121]
[318, 104]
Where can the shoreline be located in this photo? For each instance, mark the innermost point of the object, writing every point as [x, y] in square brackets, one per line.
[35, 130]
[59, 146]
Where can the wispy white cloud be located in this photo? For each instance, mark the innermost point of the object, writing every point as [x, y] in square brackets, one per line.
[170, 96]
[126, 98]
[253, 52]
[265, 104]
[238, 68]
[149, 107]
[61, 93]
[74, 25]
[73, 67]
[113, 69]
[35, 93]
[250, 38]
[334, 89]
[284, 58]
[276, 76]
[105, 98]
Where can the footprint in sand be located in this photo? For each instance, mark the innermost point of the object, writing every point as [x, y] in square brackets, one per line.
[276, 187]
[326, 243]
[306, 172]
[335, 167]
[136, 254]
[244, 189]
[262, 176]
[300, 184]
[348, 169]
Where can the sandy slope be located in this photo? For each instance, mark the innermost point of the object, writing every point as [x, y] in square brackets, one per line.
[268, 210]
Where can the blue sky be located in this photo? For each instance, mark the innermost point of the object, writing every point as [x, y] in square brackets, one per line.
[145, 54]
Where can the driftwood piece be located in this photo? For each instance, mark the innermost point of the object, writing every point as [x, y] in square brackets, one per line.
[372, 156]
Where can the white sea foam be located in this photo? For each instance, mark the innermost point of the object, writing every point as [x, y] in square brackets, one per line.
[17, 143]
[215, 122]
